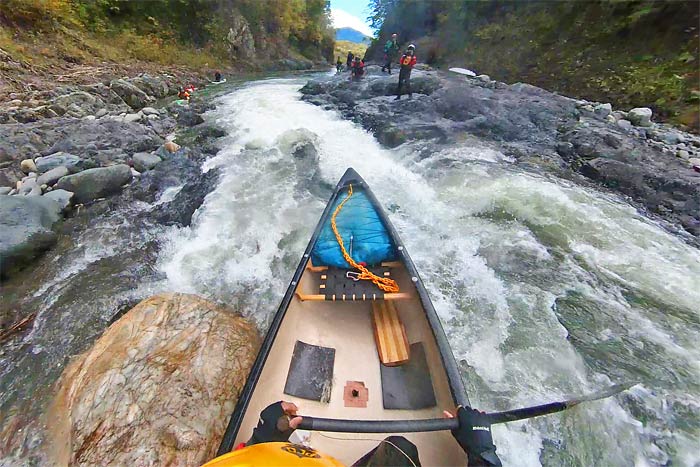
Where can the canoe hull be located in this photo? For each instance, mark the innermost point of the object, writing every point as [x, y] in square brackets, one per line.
[347, 327]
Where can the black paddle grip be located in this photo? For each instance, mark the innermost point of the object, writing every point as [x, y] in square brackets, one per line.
[377, 426]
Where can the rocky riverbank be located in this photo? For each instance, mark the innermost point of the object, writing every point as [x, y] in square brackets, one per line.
[81, 146]
[655, 165]
[94, 198]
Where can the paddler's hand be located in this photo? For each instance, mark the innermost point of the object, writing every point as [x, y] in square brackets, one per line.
[277, 423]
[474, 436]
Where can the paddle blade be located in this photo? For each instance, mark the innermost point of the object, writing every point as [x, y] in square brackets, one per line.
[553, 407]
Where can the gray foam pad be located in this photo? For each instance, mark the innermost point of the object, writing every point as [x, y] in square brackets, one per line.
[311, 372]
[408, 386]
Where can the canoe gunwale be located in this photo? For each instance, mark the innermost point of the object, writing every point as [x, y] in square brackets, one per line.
[454, 378]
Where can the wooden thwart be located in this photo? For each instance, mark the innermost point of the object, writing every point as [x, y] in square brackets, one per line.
[389, 334]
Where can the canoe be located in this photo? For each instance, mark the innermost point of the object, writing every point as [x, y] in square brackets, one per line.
[218, 82]
[350, 354]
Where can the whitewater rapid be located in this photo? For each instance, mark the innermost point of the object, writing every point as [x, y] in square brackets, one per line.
[545, 288]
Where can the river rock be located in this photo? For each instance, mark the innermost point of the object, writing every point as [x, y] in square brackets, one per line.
[640, 116]
[30, 187]
[133, 96]
[25, 229]
[62, 197]
[149, 111]
[133, 117]
[28, 165]
[151, 85]
[484, 78]
[69, 161]
[683, 154]
[189, 117]
[602, 110]
[157, 388]
[81, 101]
[624, 124]
[694, 161]
[145, 161]
[52, 175]
[96, 183]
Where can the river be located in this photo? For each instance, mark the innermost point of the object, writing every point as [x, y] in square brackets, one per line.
[545, 288]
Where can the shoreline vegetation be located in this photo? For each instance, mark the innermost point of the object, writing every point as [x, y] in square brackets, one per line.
[48, 43]
[632, 54]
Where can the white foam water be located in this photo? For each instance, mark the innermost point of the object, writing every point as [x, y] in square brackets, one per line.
[544, 288]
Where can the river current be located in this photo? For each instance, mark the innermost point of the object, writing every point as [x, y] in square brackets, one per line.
[545, 288]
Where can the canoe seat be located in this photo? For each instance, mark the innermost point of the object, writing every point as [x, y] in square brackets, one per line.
[339, 284]
[389, 334]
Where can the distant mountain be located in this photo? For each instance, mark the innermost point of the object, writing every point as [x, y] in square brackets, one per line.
[351, 35]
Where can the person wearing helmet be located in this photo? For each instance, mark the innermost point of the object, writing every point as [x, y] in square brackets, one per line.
[407, 62]
[391, 49]
[349, 60]
[269, 444]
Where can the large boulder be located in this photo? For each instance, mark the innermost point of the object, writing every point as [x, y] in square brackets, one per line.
[96, 183]
[25, 229]
[144, 161]
[133, 96]
[156, 389]
[62, 197]
[52, 176]
[152, 85]
[641, 116]
[86, 102]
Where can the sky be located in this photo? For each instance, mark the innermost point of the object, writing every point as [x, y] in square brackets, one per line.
[351, 14]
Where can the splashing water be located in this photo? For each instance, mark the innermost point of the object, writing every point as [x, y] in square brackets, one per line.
[545, 288]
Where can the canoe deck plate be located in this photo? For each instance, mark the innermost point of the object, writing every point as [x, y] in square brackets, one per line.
[408, 386]
[311, 372]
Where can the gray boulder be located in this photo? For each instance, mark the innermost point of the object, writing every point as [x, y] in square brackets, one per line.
[129, 118]
[144, 161]
[96, 183]
[69, 161]
[81, 99]
[641, 116]
[602, 110]
[52, 176]
[25, 229]
[133, 96]
[62, 197]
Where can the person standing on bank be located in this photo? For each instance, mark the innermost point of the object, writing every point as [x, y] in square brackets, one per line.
[391, 49]
[407, 62]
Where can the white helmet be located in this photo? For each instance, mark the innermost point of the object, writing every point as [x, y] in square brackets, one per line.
[411, 46]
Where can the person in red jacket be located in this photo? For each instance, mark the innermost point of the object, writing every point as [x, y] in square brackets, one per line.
[407, 62]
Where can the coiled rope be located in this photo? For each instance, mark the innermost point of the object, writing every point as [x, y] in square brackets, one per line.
[385, 283]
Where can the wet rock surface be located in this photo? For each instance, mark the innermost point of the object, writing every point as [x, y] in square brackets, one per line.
[25, 228]
[156, 388]
[104, 151]
[627, 152]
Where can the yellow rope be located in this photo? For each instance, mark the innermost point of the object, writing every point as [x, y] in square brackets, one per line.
[384, 283]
